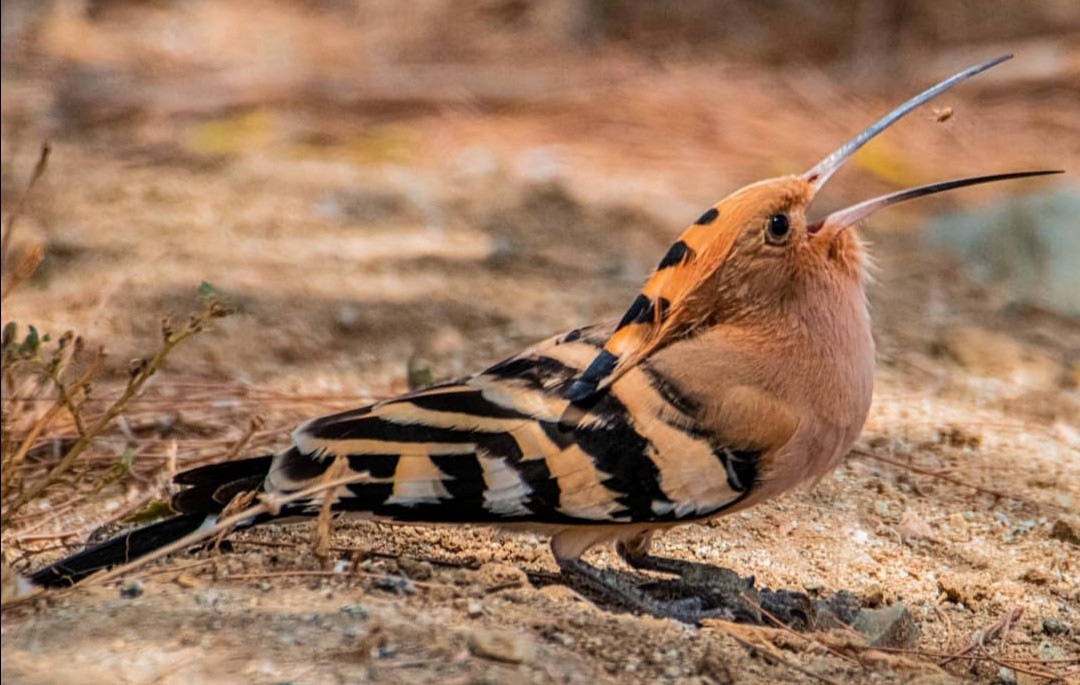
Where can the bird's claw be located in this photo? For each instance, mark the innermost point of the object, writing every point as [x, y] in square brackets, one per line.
[717, 592]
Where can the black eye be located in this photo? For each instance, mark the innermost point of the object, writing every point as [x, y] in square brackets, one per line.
[778, 229]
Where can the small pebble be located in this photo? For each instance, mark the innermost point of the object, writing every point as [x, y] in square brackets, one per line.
[873, 596]
[513, 648]
[474, 608]
[1034, 576]
[1053, 626]
[912, 527]
[813, 585]
[494, 574]
[416, 570]
[399, 585]
[1065, 532]
[131, 589]
[891, 626]
[355, 610]
[386, 651]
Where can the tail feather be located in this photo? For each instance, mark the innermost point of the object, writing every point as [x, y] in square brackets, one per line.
[214, 486]
[119, 550]
[216, 474]
[211, 489]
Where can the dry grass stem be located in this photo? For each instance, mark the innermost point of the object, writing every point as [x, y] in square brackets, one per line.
[254, 426]
[320, 536]
[20, 207]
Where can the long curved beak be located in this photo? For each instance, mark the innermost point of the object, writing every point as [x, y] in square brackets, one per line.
[846, 217]
[823, 170]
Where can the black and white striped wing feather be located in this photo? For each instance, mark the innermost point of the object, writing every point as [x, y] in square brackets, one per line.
[505, 446]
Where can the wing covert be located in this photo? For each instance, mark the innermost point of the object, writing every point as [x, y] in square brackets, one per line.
[505, 445]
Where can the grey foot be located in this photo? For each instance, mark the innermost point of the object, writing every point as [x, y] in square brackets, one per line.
[725, 594]
[702, 591]
[710, 592]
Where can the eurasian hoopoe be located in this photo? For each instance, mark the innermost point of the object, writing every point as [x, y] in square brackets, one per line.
[743, 367]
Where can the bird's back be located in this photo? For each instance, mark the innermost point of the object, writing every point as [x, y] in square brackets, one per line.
[505, 446]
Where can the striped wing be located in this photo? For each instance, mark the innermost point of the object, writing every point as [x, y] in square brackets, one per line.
[505, 446]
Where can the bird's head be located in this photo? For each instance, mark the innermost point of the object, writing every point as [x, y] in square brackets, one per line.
[756, 250]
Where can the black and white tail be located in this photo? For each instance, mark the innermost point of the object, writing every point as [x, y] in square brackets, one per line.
[197, 506]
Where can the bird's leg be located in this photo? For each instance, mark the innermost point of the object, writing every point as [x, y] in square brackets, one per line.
[713, 587]
[722, 588]
[692, 573]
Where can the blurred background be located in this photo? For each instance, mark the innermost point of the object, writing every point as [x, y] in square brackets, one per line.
[374, 181]
[392, 192]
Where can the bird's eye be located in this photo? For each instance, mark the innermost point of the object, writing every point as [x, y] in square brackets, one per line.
[778, 230]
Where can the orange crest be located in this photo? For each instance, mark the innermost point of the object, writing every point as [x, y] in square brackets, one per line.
[656, 316]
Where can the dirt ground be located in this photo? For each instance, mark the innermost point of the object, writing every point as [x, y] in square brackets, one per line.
[365, 237]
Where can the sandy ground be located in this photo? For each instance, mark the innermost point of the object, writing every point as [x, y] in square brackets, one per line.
[357, 246]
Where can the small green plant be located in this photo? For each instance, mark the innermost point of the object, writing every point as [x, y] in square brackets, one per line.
[33, 370]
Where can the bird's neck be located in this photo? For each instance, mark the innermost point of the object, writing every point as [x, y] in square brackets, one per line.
[815, 353]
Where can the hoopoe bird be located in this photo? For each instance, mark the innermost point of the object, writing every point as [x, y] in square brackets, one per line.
[743, 368]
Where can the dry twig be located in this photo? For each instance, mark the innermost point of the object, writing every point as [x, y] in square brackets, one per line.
[983, 635]
[752, 639]
[320, 536]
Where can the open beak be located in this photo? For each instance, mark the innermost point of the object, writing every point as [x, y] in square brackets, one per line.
[846, 217]
[823, 170]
